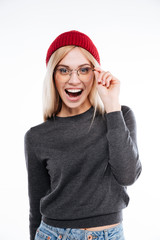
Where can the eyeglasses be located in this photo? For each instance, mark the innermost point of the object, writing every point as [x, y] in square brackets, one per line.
[64, 73]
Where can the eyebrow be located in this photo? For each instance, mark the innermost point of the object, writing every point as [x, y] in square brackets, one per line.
[84, 64]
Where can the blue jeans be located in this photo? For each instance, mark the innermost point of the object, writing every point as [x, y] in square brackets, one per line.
[46, 232]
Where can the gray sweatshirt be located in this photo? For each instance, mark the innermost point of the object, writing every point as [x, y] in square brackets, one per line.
[77, 174]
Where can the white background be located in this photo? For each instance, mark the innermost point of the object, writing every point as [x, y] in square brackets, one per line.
[127, 35]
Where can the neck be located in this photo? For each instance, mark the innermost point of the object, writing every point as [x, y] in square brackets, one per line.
[67, 112]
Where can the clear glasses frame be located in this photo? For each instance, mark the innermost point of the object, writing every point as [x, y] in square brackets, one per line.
[80, 71]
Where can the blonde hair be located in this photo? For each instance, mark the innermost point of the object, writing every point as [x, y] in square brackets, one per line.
[51, 100]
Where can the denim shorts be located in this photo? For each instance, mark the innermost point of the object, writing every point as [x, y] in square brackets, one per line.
[47, 232]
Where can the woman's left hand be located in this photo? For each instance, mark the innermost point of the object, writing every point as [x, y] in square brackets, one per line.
[108, 88]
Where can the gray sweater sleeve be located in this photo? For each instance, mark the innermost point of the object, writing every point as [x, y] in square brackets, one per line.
[123, 152]
[38, 183]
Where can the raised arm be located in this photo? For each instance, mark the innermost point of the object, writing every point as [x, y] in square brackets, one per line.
[123, 151]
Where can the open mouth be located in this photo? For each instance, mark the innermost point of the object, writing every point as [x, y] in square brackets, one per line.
[73, 92]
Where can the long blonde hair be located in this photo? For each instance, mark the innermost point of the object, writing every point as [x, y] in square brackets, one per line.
[51, 100]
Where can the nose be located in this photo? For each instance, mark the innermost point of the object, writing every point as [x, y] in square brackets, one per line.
[74, 78]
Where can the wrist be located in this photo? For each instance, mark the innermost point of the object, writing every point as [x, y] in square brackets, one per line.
[113, 108]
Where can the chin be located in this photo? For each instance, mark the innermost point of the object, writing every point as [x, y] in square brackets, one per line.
[75, 104]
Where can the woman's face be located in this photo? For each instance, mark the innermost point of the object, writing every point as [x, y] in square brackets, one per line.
[72, 90]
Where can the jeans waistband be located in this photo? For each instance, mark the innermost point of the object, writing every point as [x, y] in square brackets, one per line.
[77, 230]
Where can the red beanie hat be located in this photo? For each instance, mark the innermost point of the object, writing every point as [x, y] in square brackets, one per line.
[73, 38]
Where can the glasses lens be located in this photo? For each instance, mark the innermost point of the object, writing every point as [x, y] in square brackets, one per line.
[85, 73]
[84, 70]
[63, 71]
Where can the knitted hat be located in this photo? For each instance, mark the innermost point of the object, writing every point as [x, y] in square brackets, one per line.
[73, 38]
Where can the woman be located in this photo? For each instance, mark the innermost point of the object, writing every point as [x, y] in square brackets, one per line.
[84, 155]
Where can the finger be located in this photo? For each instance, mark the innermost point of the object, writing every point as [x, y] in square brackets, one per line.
[102, 75]
[106, 78]
[108, 81]
[100, 78]
[98, 71]
[113, 83]
[106, 74]
[96, 75]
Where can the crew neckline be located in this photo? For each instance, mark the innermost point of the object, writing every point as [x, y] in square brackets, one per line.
[81, 115]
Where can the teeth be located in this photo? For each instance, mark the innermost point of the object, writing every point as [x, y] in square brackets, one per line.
[74, 90]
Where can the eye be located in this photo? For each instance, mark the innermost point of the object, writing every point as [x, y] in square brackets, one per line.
[84, 70]
[63, 71]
